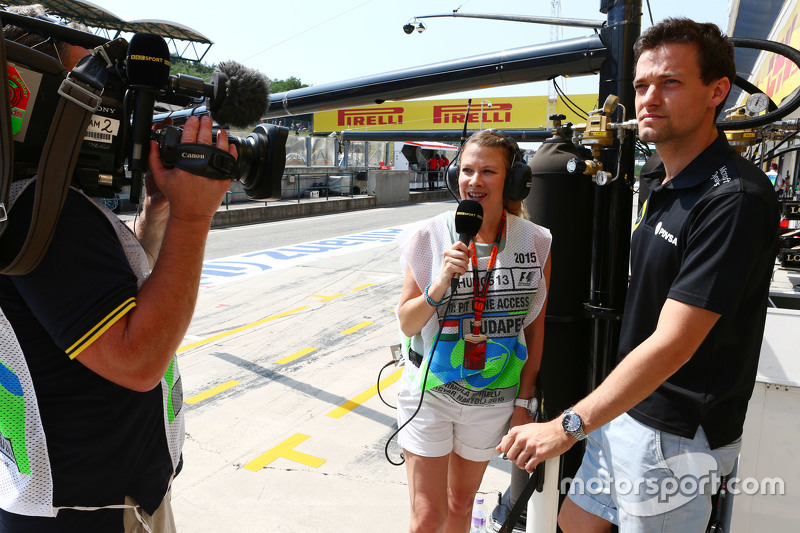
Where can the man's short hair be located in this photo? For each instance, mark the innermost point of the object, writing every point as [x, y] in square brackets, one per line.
[715, 52]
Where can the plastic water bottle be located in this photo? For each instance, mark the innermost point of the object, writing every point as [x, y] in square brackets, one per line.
[479, 516]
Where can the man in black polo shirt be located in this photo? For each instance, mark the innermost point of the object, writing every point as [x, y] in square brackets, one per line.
[667, 422]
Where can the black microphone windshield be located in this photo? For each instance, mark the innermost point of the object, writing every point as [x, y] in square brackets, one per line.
[241, 95]
[148, 61]
[469, 217]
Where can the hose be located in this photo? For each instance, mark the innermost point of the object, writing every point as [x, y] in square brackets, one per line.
[786, 51]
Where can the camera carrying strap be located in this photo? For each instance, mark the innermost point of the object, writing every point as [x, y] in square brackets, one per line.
[195, 158]
[80, 97]
[204, 160]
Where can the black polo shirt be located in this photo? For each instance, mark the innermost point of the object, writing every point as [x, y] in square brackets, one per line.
[104, 441]
[707, 238]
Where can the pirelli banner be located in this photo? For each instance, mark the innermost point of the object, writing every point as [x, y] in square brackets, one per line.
[522, 112]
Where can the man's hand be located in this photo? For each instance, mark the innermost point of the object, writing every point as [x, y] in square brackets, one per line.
[530, 444]
[191, 197]
[155, 206]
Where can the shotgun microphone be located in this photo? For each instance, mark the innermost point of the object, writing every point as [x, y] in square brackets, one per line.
[237, 97]
[241, 95]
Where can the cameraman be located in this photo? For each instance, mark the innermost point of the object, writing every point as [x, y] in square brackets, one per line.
[101, 424]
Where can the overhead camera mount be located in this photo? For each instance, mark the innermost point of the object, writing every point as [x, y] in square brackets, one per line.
[412, 25]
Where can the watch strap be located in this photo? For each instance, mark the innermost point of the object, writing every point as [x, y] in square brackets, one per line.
[577, 433]
[531, 404]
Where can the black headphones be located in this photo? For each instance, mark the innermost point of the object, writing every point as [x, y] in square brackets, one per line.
[518, 177]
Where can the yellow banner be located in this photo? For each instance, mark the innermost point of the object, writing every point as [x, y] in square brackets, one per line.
[775, 75]
[522, 112]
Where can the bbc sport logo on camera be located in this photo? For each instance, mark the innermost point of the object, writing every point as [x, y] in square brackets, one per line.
[691, 475]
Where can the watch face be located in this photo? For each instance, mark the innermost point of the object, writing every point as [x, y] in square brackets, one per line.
[572, 422]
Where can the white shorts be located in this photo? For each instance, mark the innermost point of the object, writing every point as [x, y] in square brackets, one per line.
[442, 426]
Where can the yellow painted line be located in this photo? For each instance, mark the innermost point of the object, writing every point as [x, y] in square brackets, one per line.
[287, 451]
[296, 355]
[356, 328]
[240, 329]
[362, 287]
[323, 298]
[211, 392]
[349, 405]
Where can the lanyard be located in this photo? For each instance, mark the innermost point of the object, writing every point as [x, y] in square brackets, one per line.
[479, 289]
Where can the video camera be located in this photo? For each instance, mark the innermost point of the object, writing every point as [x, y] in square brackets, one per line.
[135, 76]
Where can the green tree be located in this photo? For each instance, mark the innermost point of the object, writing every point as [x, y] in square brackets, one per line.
[191, 68]
[201, 70]
[280, 86]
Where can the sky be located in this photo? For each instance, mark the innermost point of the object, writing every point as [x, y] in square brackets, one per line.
[324, 41]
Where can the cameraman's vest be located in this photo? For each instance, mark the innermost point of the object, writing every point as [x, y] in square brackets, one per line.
[26, 483]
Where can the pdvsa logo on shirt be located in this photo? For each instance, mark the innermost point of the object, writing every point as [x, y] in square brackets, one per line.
[664, 234]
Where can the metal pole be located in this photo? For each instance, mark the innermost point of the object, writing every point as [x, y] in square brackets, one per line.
[613, 202]
[557, 21]
[571, 57]
[610, 247]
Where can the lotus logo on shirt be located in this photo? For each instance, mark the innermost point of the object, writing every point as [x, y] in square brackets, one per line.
[669, 237]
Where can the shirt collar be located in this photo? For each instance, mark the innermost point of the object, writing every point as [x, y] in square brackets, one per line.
[700, 169]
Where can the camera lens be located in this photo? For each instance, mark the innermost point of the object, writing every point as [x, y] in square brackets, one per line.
[262, 157]
[409, 29]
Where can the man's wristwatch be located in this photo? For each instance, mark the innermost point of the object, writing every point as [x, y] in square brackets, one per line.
[573, 424]
[531, 404]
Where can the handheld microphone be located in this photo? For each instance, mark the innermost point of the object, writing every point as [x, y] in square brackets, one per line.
[148, 73]
[240, 95]
[469, 218]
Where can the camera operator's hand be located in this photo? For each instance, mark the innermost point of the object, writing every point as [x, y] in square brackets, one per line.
[155, 205]
[136, 350]
[191, 196]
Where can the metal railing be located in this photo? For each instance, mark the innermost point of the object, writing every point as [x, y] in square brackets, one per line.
[420, 180]
[228, 195]
[324, 185]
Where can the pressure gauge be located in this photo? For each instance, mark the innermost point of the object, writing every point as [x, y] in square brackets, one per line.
[576, 166]
[757, 102]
